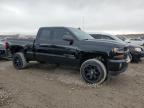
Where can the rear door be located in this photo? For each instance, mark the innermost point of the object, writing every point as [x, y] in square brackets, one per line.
[43, 45]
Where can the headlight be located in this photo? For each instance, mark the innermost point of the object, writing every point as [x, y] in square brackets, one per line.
[120, 50]
[119, 53]
[138, 49]
[115, 50]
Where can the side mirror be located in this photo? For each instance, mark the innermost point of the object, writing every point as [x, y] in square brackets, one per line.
[68, 38]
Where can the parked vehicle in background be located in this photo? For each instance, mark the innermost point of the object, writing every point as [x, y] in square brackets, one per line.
[134, 41]
[127, 40]
[5, 44]
[19, 41]
[97, 59]
[136, 51]
[4, 49]
[143, 42]
[142, 38]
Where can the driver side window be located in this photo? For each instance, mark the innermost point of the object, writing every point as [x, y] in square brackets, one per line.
[58, 36]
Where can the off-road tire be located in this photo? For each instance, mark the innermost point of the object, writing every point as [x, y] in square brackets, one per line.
[19, 61]
[101, 70]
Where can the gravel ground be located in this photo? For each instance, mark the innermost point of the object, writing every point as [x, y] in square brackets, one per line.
[46, 86]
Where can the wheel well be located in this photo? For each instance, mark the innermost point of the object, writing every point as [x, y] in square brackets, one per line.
[100, 57]
[15, 49]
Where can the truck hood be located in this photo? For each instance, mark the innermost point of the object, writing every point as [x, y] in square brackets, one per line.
[99, 45]
[104, 42]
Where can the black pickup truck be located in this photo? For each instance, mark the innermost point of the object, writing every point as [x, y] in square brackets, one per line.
[97, 59]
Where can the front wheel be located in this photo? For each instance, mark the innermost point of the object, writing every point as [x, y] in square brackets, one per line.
[93, 71]
[19, 61]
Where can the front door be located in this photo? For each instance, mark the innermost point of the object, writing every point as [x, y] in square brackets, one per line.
[64, 51]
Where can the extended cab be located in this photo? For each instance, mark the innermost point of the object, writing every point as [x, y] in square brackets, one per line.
[97, 59]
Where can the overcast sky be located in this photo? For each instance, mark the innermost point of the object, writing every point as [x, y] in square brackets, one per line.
[112, 16]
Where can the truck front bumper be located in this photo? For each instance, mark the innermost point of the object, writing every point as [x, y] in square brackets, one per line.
[116, 67]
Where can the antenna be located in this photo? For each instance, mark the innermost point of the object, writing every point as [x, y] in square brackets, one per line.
[83, 22]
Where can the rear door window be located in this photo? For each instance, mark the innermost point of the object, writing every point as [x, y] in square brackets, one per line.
[45, 36]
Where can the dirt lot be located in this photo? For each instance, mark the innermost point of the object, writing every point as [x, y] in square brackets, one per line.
[43, 86]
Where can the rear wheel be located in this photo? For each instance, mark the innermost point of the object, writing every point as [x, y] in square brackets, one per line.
[19, 60]
[93, 71]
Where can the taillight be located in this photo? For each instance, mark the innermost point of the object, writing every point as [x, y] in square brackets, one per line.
[6, 45]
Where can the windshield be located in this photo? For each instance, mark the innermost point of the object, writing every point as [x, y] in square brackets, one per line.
[122, 38]
[116, 38]
[136, 39]
[80, 34]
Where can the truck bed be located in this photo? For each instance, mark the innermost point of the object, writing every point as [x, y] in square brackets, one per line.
[20, 41]
[5, 53]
